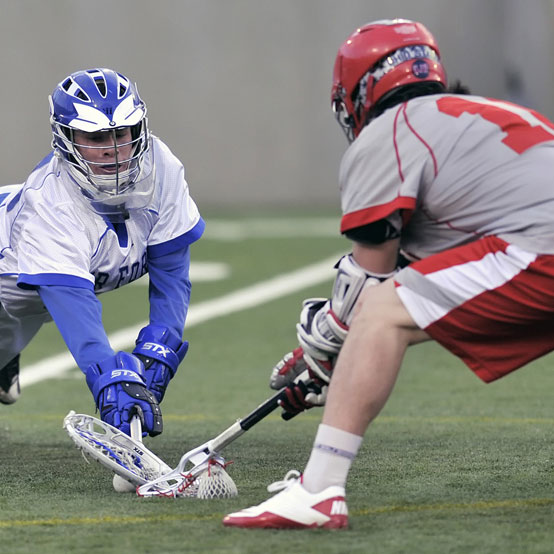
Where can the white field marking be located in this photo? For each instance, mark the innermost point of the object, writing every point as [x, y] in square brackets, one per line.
[242, 299]
[199, 272]
[219, 229]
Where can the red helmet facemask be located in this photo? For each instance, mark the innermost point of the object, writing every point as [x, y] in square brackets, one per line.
[375, 60]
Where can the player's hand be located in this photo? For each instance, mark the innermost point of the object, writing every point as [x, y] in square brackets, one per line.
[324, 323]
[118, 386]
[300, 396]
[161, 352]
[297, 362]
[320, 335]
[305, 388]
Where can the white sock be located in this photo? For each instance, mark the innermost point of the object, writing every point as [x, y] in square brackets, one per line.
[332, 455]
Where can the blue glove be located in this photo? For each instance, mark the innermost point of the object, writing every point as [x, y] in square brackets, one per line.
[161, 351]
[118, 387]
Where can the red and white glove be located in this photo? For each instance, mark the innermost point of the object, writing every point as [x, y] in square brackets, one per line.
[304, 388]
[324, 324]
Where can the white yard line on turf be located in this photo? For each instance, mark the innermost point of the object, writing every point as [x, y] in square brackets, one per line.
[242, 299]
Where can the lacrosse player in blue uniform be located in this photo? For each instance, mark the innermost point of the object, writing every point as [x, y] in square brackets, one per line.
[107, 205]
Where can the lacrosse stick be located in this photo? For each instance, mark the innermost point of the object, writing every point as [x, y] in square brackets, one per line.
[120, 484]
[206, 460]
[122, 454]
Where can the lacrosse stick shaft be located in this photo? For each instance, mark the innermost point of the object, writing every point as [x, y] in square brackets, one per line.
[119, 483]
[263, 410]
[201, 453]
[242, 425]
[255, 416]
[136, 428]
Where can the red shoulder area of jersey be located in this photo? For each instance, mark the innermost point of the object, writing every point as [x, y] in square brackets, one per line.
[374, 213]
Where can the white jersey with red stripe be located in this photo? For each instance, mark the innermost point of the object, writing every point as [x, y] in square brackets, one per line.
[450, 169]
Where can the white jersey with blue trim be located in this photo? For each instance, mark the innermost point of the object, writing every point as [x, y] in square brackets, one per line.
[50, 235]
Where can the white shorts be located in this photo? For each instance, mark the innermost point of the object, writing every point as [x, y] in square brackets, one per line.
[21, 322]
[488, 302]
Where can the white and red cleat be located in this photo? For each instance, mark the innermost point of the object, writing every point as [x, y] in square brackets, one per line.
[294, 508]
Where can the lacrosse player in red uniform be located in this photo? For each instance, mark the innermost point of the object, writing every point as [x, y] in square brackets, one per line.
[449, 201]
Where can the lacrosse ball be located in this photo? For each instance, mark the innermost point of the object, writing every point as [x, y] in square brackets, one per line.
[122, 485]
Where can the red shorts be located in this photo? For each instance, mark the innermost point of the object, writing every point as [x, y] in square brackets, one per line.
[489, 302]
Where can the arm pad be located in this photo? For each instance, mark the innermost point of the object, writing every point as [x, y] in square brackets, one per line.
[324, 324]
[156, 343]
[350, 280]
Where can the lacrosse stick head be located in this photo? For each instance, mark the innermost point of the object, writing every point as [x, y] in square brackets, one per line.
[206, 480]
[125, 456]
[210, 482]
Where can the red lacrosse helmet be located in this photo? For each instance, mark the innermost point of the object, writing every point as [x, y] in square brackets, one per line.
[376, 59]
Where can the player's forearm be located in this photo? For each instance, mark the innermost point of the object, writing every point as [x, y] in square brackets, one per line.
[78, 315]
[377, 258]
[169, 291]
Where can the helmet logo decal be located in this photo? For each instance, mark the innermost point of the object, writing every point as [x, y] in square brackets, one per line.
[420, 68]
[405, 29]
[415, 52]
[361, 98]
[89, 119]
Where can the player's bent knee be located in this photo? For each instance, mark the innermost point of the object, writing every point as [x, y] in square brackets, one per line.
[381, 306]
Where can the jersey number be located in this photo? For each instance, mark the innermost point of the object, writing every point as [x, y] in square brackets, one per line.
[524, 128]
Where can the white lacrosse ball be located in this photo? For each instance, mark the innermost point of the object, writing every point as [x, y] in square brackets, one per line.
[122, 485]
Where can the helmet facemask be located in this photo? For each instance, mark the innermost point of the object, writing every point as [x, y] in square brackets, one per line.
[345, 120]
[107, 173]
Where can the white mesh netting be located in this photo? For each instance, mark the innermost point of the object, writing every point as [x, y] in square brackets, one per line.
[211, 482]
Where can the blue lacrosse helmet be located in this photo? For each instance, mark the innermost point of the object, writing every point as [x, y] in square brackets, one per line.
[90, 103]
